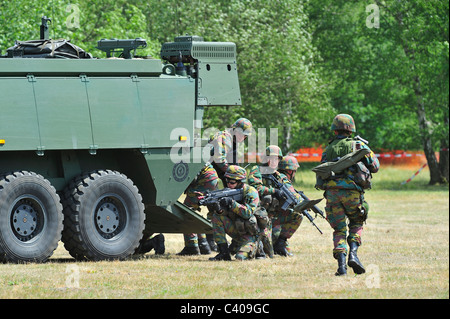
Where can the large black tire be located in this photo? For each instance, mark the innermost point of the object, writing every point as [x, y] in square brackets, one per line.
[31, 219]
[104, 216]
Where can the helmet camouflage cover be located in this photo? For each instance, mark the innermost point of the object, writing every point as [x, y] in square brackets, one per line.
[244, 124]
[236, 172]
[273, 150]
[288, 163]
[343, 122]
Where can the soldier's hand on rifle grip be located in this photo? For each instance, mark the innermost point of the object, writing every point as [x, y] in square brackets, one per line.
[278, 194]
[215, 208]
[226, 202]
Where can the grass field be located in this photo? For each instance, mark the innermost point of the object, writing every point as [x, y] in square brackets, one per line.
[405, 250]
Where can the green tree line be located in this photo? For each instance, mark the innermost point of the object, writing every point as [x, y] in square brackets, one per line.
[300, 62]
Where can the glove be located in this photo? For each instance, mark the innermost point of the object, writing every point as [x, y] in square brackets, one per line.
[278, 194]
[226, 202]
[214, 208]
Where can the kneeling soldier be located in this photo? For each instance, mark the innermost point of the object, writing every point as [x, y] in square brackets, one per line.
[285, 222]
[236, 218]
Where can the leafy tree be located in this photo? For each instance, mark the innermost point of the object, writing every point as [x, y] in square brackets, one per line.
[78, 21]
[280, 85]
[299, 62]
[393, 78]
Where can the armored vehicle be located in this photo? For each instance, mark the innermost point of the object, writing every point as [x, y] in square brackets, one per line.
[90, 148]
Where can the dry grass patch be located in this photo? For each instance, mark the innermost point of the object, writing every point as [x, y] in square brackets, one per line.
[405, 251]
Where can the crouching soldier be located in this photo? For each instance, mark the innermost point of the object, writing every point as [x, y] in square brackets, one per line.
[223, 154]
[286, 222]
[236, 217]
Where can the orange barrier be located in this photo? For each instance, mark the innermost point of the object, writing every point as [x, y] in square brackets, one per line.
[386, 157]
[400, 158]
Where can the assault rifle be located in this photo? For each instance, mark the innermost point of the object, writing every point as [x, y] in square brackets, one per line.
[212, 198]
[291, 200]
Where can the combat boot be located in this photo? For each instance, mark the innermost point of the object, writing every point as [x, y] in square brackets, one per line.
[189, 251]
[211, 242]
[279, 247]
[260, 254]
[353, 260]
[158, 244]
[224, 253]
[204, 246]
[342, 267]
[145, 247]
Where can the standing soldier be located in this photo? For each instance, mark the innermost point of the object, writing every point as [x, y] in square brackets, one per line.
[223, 154]
[230, 214]
[345, 197]
[287, 221]
[225, 146]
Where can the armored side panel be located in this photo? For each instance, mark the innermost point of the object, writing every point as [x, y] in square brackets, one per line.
[109, 142]
[89, 110]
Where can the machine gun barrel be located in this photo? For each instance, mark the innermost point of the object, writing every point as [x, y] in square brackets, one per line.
[304, 212]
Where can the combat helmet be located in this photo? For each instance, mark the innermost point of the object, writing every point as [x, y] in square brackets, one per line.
[275, 151]
[288, 163]
[343, 122]
[236, 172]
[244, 124]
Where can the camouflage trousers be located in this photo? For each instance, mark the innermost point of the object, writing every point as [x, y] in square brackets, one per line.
[285, 224]
[200, 186]
[341, 205]
[224, 225]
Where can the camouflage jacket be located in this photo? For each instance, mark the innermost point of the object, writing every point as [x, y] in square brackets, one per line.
[346, 146]
[263, 185]
[249, 204]
[223, 152]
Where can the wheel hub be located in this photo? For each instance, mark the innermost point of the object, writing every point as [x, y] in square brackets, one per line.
[109, 217]
[25, 219]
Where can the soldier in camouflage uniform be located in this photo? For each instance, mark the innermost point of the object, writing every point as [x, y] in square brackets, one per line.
[345, 198]
[223, 154]
[225, 219]
[207, 180]
[225, 146]
[286, 222]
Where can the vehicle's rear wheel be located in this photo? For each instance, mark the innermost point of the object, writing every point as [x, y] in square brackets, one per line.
[104, 216]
